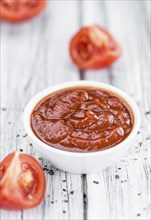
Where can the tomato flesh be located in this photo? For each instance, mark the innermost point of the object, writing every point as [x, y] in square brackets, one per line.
[94, 48]
[19, 10]
[22, 182]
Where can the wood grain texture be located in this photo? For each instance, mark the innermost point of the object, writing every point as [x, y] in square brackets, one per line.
[34, 55]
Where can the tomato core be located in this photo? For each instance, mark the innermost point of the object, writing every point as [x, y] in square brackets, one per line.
[27, 180]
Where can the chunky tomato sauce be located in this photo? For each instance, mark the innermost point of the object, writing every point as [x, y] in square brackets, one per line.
[82, 119]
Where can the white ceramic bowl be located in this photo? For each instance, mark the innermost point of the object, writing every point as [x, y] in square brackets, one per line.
[81, 163]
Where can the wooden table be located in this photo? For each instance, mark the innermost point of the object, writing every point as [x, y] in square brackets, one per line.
[34, 56]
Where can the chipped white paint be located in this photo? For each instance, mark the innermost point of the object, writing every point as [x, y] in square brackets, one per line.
[34, 55]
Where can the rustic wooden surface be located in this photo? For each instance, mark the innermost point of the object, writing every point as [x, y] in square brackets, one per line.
[34, 55]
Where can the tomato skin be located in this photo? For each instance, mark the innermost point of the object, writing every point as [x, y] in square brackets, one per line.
[19, 16]
[99, 56]
[11, 193]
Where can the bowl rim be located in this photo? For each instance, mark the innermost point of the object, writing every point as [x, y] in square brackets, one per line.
[39, 96]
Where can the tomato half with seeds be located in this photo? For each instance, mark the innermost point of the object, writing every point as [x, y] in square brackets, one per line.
[22, 182]
[19, 10]
[94, 48]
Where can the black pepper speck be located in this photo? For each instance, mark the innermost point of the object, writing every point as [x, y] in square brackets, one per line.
[147, 113]
[84, 195]
[117, 176]
[96, 182]
[65, 200]
[51, 172]
[25, 135]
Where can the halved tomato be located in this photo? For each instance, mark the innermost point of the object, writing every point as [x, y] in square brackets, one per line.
[19, 10]
[22, 182]
[94, 48]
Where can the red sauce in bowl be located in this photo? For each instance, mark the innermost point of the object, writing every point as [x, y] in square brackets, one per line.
[82, 119]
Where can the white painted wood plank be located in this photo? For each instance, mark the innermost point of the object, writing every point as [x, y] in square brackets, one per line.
[147, 4]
